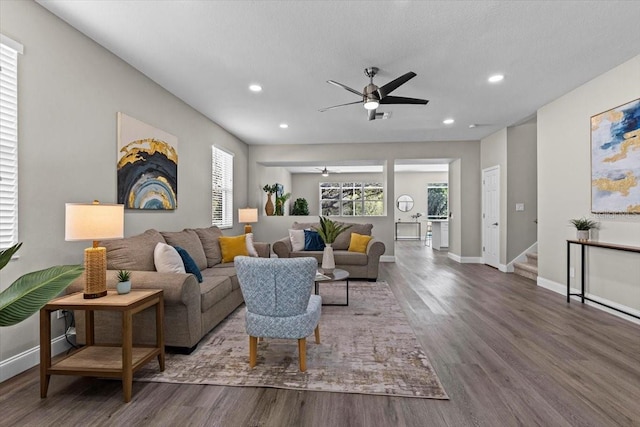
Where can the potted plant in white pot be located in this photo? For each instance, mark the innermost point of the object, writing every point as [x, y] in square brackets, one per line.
[124, 282]
[328, 231]
[583, 227]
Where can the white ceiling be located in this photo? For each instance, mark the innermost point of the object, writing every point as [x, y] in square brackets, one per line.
[208, 52]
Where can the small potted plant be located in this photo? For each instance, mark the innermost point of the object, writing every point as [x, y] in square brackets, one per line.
[328, 231]
[583, 226]
[300, 207]
[124, 282]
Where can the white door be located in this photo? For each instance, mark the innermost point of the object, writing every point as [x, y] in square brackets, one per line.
[491, 216]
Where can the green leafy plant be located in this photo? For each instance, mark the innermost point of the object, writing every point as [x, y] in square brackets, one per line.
[270, 188]
[300, 207]
[124, 275]
[584, 223]
[280, 201]
[32, 291]
[329, 230]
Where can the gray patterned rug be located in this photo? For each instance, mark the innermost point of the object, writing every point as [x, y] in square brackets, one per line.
[367, 347]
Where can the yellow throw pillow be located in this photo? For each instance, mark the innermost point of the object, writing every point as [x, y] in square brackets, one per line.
[232, 246]
[359, 243]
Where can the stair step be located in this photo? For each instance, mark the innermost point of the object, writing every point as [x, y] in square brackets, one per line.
[526, 269]
[532, 258]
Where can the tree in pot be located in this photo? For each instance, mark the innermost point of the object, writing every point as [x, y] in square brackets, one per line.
[280, 201]
[300, 207]
[328, 232]
[583, 226]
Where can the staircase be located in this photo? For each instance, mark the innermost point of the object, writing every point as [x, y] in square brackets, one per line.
[529, 268]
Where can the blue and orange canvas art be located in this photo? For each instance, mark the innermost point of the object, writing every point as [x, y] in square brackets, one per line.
[147, 166]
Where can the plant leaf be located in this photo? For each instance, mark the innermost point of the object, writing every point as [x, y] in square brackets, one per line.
[32, 291]
[5, 255]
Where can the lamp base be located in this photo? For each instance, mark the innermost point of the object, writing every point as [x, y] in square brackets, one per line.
[95, 268]
[247, 228]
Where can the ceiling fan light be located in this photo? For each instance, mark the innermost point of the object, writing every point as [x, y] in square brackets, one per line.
[371, 104]
[325, 172]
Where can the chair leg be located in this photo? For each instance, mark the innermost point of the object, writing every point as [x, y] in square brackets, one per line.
[253, 351]
[317, 331]
[302, 353]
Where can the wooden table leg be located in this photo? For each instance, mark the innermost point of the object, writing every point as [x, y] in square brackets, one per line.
[127, 354]
[45, 351]
[89, 328]
[160, 331]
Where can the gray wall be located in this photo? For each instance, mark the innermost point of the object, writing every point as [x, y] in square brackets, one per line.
[564, 183]
[70, 91]
[414, 184]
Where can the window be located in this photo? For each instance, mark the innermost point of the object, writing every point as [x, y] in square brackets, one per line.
[351, 199]
[8, 141]
[221, 188]
[437, 201]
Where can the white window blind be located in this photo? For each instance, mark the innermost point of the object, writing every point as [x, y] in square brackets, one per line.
[221, 188]
[8, 142]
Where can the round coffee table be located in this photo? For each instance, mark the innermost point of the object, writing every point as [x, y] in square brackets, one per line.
[337, 275]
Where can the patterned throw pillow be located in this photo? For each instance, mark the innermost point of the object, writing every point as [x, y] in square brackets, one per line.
[190, 265]
[359, 243]
[233, 246]
[312, 241]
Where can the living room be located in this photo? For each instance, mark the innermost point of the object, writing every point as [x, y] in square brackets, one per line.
[71, 89]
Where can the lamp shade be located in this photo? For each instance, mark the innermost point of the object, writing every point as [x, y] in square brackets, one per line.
[248, 215]
[87, 221]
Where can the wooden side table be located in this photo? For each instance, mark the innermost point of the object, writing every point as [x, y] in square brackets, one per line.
[103, 360]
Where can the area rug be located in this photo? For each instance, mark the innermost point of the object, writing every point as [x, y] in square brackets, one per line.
[367, 347]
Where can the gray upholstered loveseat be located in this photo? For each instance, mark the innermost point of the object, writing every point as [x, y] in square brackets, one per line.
[359, 265]
[191, 309]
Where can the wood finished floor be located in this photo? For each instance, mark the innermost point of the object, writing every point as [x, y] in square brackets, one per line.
[507, 352]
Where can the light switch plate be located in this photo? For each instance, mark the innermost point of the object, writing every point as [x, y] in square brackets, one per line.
[519, 207]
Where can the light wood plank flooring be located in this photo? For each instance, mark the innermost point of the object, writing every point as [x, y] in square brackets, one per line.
[507, 352]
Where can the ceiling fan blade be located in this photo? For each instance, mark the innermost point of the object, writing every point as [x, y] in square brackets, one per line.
[341, 105]
[402, 100]
[372, 115]
[345, 87]
[394, 84]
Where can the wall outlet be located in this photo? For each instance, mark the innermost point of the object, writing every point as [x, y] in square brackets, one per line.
[572, 272]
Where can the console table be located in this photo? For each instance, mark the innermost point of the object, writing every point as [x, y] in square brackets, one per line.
[418, 226]
[582, 245]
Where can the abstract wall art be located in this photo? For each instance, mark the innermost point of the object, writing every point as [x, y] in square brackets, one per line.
[615, 160]
[147, 166]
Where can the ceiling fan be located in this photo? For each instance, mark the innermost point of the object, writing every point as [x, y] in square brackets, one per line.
[325, 172]
[373, 96]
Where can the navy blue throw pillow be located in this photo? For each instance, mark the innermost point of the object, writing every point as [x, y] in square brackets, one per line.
[189, 264]
[312, 241]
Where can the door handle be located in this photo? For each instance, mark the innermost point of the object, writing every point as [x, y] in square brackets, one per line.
[495, 223]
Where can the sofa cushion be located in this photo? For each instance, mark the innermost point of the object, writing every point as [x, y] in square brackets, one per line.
[226, 270]
[133, 253]
[233, 246]
[297, 239]
[305, 225]
[213, 289]
[251, 250]
[344, 238]
[359, 243]
[190, 242]
[189, 264]
[209, 239]
[312, 241]
[341, 257]
[167, 259]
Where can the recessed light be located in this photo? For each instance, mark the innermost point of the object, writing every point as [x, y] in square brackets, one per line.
[255, 88]
[284, 125]
[496, 78]
[472, 125]
[448, 121]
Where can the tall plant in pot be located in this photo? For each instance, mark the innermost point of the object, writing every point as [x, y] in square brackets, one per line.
[328, 231]
[583, 227]
[269, 207]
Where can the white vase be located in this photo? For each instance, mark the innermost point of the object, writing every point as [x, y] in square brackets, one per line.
[583, 235]
[328, 262]
[124, 287]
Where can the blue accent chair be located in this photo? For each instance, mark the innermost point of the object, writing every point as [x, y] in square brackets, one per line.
[277, 293]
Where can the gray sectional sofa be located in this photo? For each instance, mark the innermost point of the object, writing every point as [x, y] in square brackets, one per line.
[359, 265]
[192, 309]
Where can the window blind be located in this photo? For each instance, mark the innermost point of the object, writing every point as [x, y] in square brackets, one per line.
[8, 142]
[222, 188]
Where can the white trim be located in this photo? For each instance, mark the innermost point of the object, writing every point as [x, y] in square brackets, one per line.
[466, 260]
[387, 258]
[11, 43]
[562, 289]
[504, 268]
[29, 358]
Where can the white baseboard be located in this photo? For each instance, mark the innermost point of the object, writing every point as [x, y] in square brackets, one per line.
[29, 358]
[387, 258]
[505, 268]
[465, 260]
[562, 289]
